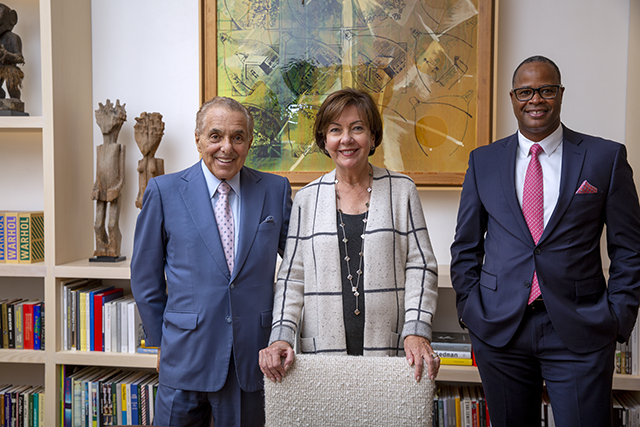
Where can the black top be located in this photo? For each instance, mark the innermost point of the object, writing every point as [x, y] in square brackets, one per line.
[354, 324]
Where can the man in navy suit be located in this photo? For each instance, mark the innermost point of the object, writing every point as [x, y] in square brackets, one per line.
[212, 313]
[538, 306]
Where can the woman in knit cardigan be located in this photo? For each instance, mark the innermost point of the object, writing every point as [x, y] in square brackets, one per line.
[358, 257]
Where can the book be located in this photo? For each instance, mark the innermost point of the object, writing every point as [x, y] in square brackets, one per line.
[455, 361]
[82, 309]
[99, 300]
[451, 341]
[19, 324]
[453, 354]
[91, 344]
[7, 323]
[27, 310]
[67, 285]
[11, 329]
[31, 237]
[134, 332]
[37, 325]
[2, 238]
[11, 237]
[122, 324]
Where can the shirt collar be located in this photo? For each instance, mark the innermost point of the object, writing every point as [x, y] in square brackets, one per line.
[550, 144]
[213, 182]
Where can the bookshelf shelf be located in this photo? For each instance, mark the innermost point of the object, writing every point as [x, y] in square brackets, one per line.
[38, 269]
[27, 122]
[84, 269]
[23, 356]
[98, 358]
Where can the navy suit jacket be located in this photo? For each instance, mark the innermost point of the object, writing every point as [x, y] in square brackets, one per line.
[494, 256]
[200, 313]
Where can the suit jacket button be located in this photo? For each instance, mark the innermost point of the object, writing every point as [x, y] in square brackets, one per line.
[232, 286]
[228, 319]
[527, 284]
[537, 251]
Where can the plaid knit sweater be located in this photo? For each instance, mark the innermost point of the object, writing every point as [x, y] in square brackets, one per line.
[400, 270]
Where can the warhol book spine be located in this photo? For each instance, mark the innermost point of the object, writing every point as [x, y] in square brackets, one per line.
[2, 238]
[11, 238]
[31, 237]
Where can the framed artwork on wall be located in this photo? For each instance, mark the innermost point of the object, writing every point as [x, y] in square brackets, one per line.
[427, 63]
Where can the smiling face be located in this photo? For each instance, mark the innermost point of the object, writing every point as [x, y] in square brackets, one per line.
[349, 140]
[537, 118]
[224, 141]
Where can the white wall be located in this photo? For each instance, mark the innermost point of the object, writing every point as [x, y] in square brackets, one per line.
[145, 53]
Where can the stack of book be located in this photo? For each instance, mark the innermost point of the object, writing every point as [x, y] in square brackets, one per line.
[97, 396]
[22, 405]
[99, 317]
[460, 406]
[453, 348]
[22, 324]
[21, 237]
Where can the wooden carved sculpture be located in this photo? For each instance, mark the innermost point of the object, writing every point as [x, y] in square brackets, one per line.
[109, 179]
[148, 132]
[10, 58]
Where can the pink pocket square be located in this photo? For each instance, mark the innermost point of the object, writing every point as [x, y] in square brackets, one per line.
[586, 188]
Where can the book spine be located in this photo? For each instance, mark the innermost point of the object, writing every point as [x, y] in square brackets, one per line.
[2, 239]
[28, 326]
[83, 321]
[11, 331]
[98, 325]
[455, 361]
[11, 237]
[37, 327]
[18, 309]
[31, 237]
[5, 325]
[450, 346]
[453, 354]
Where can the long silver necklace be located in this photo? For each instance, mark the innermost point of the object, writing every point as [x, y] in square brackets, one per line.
[354, 288]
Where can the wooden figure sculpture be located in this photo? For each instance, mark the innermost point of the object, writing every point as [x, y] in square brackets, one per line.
[109, 181]
[148, 132]
[10, 58]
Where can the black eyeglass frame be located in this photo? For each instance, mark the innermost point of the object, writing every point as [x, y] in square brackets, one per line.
[534, 90]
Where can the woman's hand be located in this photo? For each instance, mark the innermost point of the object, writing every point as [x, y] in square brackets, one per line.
[418, 349]
[271, 363]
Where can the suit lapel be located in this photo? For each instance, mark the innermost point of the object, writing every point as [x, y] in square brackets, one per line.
[572, 160]
[195, 194]
[252, 201]
[507, 167]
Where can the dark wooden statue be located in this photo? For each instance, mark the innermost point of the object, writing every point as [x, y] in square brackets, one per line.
[10, 57]
[148, 132]
[109, 181]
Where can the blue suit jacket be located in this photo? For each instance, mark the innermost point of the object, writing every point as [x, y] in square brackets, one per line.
[492, 272]
[201, 312]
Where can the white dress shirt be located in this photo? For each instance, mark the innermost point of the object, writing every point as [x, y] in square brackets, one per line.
[551, 162]
[234, 198]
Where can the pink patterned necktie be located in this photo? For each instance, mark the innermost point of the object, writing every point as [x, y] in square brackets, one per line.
[533, 207]
[224, 219]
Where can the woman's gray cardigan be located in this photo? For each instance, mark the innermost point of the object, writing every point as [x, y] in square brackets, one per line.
[400, 270]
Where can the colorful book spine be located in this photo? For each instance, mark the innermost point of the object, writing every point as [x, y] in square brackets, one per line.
[2, 238]
[31, 237]
[28, 325]
[11, 238]
[37, 326]
[19, 323]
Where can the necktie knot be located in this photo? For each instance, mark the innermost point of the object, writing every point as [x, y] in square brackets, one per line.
[536, 149]
[224, 188]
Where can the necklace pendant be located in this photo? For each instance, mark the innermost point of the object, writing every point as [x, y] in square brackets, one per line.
[356, 294]
[356, 312]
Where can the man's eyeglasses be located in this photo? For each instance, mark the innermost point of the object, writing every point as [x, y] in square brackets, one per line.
[546, 92]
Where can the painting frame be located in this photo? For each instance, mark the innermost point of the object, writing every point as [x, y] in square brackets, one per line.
[484, 88]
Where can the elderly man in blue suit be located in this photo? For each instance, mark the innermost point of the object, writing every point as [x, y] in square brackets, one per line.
[526, 262]
[214, 231]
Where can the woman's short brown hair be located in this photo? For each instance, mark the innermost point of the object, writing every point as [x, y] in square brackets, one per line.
[334, 105]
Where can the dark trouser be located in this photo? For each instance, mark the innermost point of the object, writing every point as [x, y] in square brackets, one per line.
[230, 406]
[579, 385]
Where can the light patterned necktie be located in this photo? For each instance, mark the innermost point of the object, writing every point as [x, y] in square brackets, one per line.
[533, 207]
[224, 219]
